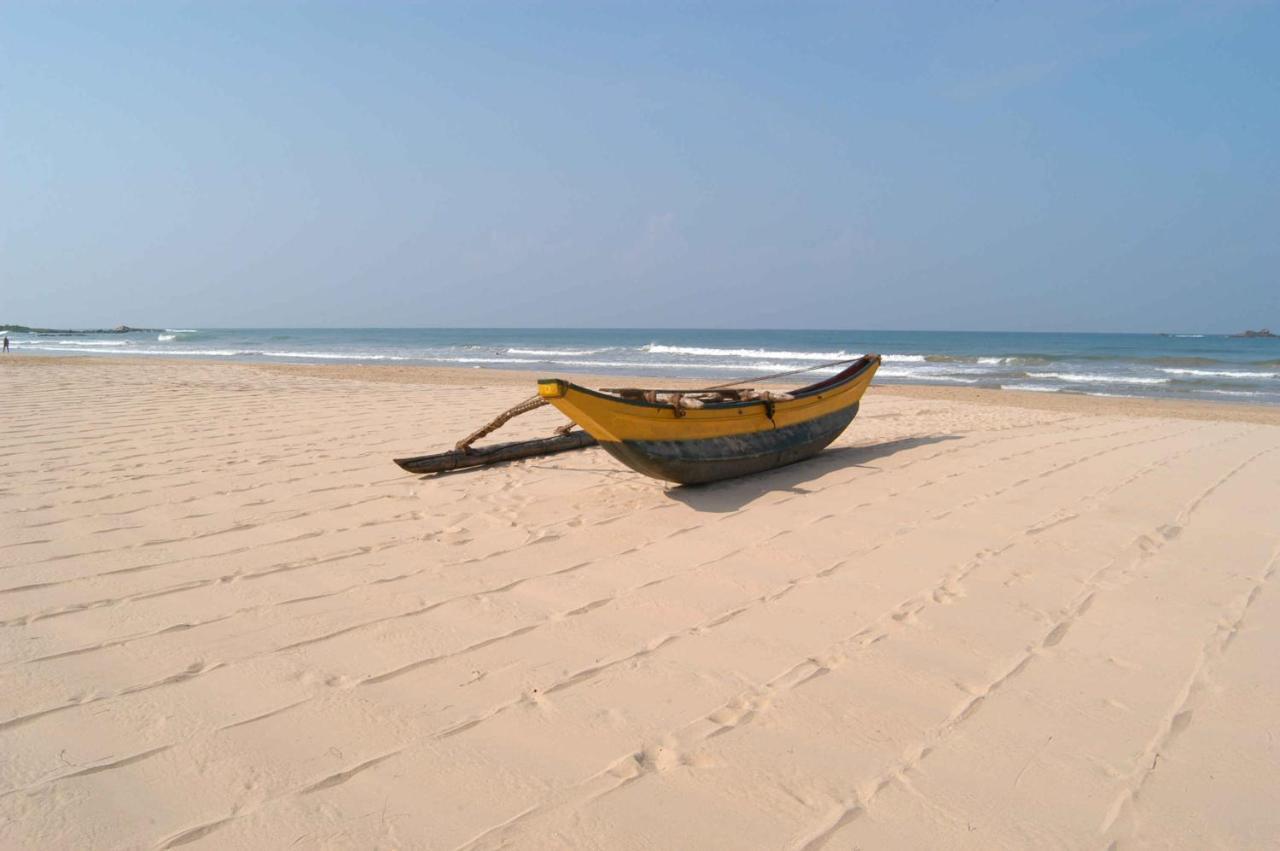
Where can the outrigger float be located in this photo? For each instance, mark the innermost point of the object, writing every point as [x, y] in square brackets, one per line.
[683, 436]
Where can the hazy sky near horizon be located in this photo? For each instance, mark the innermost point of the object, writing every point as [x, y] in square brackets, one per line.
[993, 166]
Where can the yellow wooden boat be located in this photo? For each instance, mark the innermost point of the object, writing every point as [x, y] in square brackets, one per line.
[691, 436]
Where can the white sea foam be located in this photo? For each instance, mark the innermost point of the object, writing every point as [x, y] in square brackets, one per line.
[1033, 388]
[165, 352]
[944, 379]
[1095, 378]
[1221, 373]
[92, 343]
[226, 353]
[701, 351]
[182, 331]
[1011, 360]
[1003, 361]
[481, 360]
[560, 352]
[164, 338]
[1246, 393]
[331, 356]
[918, 375]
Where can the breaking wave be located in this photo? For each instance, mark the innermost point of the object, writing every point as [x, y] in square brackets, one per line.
[702, 351]
[1221, 373]
[1240, 393]
[93, 343]
[561, 352]
[1032, 388]
[1098, 378]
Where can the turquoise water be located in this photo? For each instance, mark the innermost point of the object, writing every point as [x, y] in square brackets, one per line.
[1176, 366]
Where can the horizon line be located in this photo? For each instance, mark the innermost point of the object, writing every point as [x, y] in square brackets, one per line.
[110, 329]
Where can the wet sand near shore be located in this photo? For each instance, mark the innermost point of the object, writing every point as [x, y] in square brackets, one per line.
[981, 619]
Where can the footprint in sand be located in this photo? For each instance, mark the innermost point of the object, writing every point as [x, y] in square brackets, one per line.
[907, 614]
[660, 757]
[947, 594]
[456, 535]
[1059, 632]
[453, 535]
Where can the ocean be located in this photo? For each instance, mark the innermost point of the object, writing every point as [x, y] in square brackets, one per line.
[1178, 366]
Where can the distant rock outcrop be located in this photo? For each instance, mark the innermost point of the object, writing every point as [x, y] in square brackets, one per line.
[119, 329]
[1264, 332]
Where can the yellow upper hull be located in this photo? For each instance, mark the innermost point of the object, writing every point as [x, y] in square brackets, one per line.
[611, 419]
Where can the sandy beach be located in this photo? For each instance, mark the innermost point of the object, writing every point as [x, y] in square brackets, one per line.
[979, 620]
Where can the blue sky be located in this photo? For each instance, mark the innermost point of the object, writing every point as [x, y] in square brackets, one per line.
[988, 166]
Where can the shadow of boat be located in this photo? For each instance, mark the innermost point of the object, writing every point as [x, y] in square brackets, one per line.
[733, 494]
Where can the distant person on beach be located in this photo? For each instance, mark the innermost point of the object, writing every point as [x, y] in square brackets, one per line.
[6, 344]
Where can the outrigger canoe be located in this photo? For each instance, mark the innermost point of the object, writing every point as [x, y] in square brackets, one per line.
[684, 436]
[691, 436]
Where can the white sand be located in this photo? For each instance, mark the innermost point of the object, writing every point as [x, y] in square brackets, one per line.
[228, 621]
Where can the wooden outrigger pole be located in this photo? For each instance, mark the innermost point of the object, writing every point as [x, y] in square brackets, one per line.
[463, 455]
